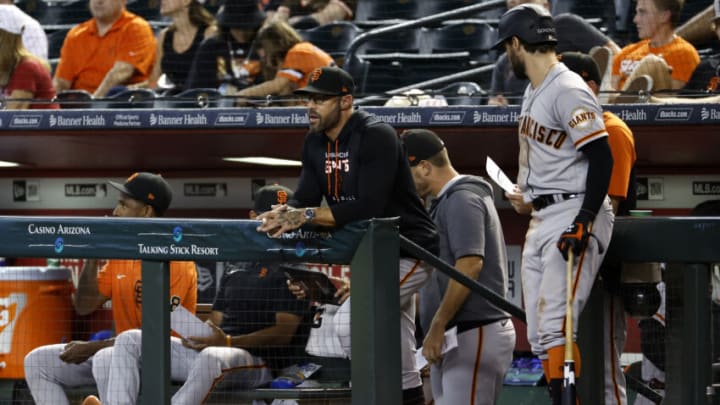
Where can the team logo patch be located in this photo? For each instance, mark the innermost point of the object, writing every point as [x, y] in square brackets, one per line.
[315, 75]
[282, 197]
[582, 118]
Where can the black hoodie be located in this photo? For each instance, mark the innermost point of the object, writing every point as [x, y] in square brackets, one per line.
[364, 174]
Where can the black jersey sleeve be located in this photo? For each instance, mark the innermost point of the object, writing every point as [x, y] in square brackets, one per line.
[600, 164]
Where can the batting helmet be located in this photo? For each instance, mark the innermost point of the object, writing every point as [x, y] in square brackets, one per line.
[641, 300]
[530, 22]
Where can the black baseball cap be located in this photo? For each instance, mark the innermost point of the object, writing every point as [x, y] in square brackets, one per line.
[267, 196]
[241, 14]
[149, 188]
[582, 64]
[530, 22]
[421, 144]
[328, 81]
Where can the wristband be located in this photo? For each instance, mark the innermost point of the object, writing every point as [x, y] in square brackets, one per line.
[228, 340]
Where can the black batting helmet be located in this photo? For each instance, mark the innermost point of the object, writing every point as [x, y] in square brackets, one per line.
[641, 300]
[530, 22]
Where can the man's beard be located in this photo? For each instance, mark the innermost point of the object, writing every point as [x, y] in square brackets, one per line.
[327, 122]
[518, 66]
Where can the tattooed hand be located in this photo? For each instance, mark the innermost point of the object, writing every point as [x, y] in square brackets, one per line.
[281, 219]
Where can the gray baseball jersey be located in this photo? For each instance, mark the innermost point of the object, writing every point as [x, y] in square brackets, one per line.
[557, 118]
[469, 225]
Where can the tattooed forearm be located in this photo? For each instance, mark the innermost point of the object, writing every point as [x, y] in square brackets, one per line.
[292, 218]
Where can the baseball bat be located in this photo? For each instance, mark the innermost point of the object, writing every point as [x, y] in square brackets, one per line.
[569, 394]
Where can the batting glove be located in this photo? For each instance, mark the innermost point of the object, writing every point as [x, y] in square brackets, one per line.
[574, 237]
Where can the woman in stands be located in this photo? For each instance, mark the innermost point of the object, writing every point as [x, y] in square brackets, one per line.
[285, 58]
[223, 61]
[177, 44]
[24, 78]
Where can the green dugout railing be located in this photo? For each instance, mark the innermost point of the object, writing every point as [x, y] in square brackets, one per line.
[371, 248]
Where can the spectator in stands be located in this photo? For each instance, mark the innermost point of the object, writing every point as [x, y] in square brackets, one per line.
[303, 14]
[224, 60]
[114, 48]
[668, 59]
[178, 43]
[49, 369]
[356, 163]
[285, 58]
[33, 34]
[705, 78]
[255, 323]
[23, 76]
[574, 34]
[622, 197]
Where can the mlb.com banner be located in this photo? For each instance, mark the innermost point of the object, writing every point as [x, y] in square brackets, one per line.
[164, 239]
[462, 116]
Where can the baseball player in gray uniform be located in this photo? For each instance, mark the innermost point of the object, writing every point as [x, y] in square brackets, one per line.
[471, 239]
[563, 175]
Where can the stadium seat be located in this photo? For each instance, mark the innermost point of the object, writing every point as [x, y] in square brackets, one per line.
[333, 38]
[405, 41]
[462, 93]
[194, 98]
[55, 42]
[147, 9]
[132, 98]
[62, 14]
[74, 99]
[473, 36]
[381, 12]
[600, 13]
[691, 8]
[430, 7]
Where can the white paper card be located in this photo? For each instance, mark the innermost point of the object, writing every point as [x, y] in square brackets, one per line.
[186, 324]
[450, 343]
[450, 340]
[497, 175]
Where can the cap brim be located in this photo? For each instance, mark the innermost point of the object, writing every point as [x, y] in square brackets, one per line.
[314, 90]
[499, 43]
[121, 188]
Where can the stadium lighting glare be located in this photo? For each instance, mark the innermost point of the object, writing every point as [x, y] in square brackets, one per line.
[4, 163]
[265, 161]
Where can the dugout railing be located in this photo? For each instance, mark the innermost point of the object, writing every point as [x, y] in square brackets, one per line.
[370, 245]
[371, 248]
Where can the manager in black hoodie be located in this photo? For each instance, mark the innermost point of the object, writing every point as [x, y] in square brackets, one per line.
[358, 164]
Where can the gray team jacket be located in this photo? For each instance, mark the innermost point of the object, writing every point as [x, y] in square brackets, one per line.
[468, 225]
